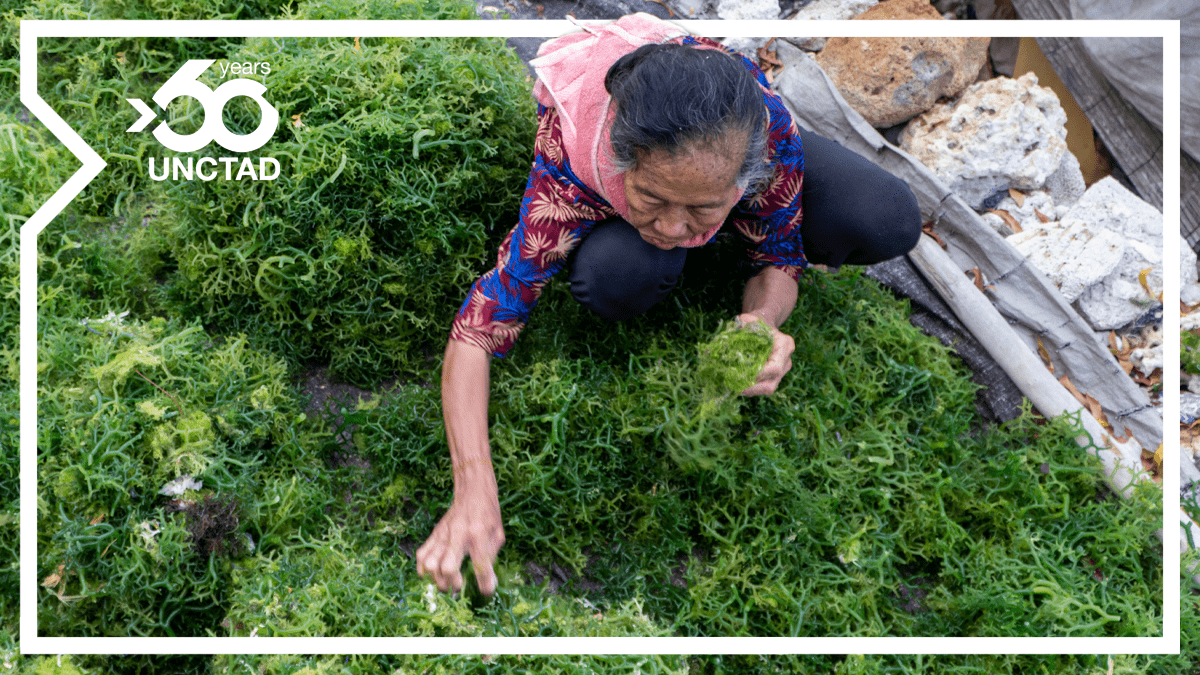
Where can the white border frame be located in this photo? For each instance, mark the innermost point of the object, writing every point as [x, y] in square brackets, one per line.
[93, 164]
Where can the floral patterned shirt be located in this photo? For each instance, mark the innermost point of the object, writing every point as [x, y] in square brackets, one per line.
[559, 210]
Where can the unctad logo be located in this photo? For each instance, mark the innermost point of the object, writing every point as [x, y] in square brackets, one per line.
[185, 82]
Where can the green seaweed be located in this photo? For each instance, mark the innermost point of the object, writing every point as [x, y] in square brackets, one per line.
[641, 495]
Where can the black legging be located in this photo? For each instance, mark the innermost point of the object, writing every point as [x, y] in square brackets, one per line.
[855, 213]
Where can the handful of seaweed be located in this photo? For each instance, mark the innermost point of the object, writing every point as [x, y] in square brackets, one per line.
[698, 432]
[731, 360]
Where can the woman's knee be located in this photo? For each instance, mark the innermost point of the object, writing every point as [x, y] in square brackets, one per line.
[855, 212]
[617, 275]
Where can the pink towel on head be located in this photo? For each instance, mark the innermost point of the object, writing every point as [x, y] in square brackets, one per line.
[571, 71]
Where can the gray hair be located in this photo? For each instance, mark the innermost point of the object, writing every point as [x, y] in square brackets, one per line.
[674, 98]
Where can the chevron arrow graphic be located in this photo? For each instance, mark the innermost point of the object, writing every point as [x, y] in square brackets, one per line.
[146, 118]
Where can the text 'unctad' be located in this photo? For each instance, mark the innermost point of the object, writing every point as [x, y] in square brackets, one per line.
[206, 168]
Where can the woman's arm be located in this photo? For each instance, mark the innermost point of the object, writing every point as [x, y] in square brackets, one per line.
[771, 296]
[472, 525]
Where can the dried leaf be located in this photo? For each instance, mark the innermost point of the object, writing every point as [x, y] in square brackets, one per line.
[1154, 379]
[1097, 411]
[768, 57]
[1112, 342]
[1142, 279]
[97, 520]
[1017, 196]
[1042, 352]
[670, 13]
[1008, 220]
[1158, 455]
[1123, 439]
[52, 580]
[296, 120]
[1066, 382]
[974, 271]
[927, 228]
[1150, 467]
[357, 45]
[1041, 216]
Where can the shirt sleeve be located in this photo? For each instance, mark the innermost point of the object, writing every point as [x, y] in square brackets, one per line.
[771, 219]
[557, 212]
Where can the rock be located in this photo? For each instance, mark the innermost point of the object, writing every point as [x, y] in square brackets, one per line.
[1072, 254]
[1147, 360]
[1002, 133]
[692, 9]
[809, 44]
[1096, 254]
[746, 46]
[1109, 204]
[900, 9]
[1026, 215]
[1189, 285]
[1189, 408]
[890, 79]
[748, 9]
[1121, 297]
[1066, 184]
[833, 9]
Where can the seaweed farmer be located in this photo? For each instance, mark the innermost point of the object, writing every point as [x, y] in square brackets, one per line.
[649, 141]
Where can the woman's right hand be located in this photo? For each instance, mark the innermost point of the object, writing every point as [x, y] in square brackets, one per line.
[471, 527]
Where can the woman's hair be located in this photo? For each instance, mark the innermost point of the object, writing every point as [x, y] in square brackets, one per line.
[672, 96]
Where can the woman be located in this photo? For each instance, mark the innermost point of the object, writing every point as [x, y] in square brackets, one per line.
[649, 142]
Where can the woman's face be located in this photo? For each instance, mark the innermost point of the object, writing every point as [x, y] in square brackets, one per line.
[675, 198]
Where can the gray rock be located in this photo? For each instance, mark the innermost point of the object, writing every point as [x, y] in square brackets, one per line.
[808, 44]
[1189, 407]
[1026, 215]
[692, 9]
[834, 9]
[1189, 285]
[1120, 296]
[1066, 184]
[1072, 254]
[748, 9]
[746, 46]
[1000, 134]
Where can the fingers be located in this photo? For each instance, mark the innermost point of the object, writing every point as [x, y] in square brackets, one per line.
[440, 559]
[483, 555]
[485, 576]
[778, 365]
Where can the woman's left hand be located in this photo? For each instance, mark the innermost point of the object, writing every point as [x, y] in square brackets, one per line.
[779, 363]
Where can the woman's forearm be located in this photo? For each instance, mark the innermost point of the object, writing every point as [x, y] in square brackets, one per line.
[465, 391]
[771, 294]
